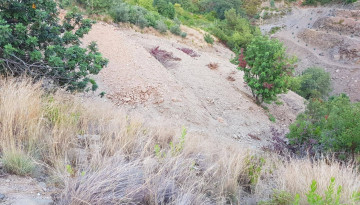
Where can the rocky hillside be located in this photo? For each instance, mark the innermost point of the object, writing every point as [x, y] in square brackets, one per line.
[186, 91]
[326, 37]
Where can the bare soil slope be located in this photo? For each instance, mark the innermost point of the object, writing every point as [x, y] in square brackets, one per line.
[185, 92]
[326, 37]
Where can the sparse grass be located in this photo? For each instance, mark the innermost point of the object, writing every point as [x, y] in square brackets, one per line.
[17, 163]
[213, 66]
[99, 155]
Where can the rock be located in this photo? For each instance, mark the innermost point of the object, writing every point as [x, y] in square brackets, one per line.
[2, 197]
[220, 119]
[337, 70]
[43, 186]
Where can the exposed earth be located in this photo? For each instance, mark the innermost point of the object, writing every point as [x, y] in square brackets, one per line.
[186, 92]
[326, 37]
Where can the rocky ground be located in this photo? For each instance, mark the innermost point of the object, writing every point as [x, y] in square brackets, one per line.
[326, 37]
[16, 190]
[185, 92]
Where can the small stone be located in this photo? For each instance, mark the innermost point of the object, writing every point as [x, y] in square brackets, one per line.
[43, 186]
[220, 119]
[2, 197]
[8, 180]
[337, 70]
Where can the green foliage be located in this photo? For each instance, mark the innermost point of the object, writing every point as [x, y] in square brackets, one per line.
[96, 6]
[17, 163]
[315, 2]
[183, 34]
[175, 148]
[327, 126]
[331, 197]
[235, 30]
[165, 8]
[208, 39]
[120, 12]
[272, 118]
[314, 83]
[175, 29]
[220, 7]
[281, 198]
[161, 26]
[272, 3]
[268, 68]
[34, 43]
[147, 4]
[178, 147]
[255, 166]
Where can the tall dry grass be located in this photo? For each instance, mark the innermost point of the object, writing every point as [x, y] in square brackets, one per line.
[95, 154]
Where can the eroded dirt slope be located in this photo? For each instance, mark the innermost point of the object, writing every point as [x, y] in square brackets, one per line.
[326, 37]
[186, 92]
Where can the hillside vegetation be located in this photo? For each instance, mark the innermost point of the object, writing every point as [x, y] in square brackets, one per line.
[97, 155]
[83, 149]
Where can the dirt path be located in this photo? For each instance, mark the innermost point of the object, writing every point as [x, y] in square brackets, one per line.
[188, 93]
[306, 35]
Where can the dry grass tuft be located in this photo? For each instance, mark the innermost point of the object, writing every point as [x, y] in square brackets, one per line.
[98, 155]
[213, 66]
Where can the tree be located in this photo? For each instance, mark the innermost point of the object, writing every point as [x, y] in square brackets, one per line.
[34, 43]
[268, 68]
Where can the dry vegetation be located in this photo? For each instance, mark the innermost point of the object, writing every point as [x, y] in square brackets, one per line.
[213, 66]
[95, 154]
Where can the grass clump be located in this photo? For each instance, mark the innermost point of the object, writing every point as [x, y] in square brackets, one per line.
[18, 163]
[208, 39]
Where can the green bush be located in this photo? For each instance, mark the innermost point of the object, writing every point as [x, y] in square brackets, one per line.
[183, 34]
[175, 30]
[328, 126]
[208, 39]
[120, 12]
[96, 6]
[165, 8]
[35, 44]
[314, 83]
[17, 163]
[161, 26]
[235, 31]
[266, 68]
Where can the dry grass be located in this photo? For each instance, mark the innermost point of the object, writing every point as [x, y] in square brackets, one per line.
[98, 155]
[213, 66]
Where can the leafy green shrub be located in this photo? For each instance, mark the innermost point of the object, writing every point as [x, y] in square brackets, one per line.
[220, 7]
[147, 4]
[152, 19]
[280, 198]
[268, 68]
[96, 6]
[120, 12]
[235, 31]
[161, 26]
[272, 3]
[314, 83]
[17, 163]
[208, 39]
[328, 126]
[175, 29]
[331, 197]
[165, 8]
[183, 34]
[35, 44]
